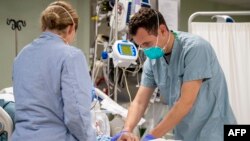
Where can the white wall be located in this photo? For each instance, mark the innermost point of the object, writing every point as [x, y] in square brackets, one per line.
[29, 10]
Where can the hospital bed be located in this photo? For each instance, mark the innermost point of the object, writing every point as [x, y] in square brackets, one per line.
[6, 114]
[6, 125]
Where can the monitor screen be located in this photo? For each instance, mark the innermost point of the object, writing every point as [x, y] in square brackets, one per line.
[145, 1]
[126, 50]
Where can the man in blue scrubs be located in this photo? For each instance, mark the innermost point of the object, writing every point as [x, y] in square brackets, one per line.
[185, 69]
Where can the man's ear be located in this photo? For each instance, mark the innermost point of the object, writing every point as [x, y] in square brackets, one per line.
[163, 29]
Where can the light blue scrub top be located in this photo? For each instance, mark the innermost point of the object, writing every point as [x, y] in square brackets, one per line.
[193, 58]
[52, 89]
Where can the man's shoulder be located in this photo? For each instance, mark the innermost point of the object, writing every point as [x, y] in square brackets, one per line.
[189, 40]
[188, 37]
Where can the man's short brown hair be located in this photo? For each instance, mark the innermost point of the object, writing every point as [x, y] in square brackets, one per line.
[147, 19]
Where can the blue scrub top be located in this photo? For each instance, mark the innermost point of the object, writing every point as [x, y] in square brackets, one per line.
[52, 89]
[193, 58]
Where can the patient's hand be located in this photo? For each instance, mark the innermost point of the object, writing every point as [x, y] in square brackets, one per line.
[128, 136]
[125, 136]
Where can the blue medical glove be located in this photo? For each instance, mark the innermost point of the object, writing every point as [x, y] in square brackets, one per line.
[148, 137]
[117, 136]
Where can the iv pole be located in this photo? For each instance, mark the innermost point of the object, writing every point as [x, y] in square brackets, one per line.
[116, 38]
[17, 26]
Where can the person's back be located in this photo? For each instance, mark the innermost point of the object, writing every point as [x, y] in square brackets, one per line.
[52, 89]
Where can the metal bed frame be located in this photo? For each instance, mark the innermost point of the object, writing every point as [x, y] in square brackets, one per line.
[208, 13]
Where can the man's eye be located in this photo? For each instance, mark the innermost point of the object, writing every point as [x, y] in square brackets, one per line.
[145, 44]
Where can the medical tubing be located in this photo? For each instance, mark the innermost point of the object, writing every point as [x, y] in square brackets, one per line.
[116, 83]
[95, 48]
[126, 82]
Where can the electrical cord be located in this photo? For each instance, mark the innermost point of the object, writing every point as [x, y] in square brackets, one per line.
[124, 70]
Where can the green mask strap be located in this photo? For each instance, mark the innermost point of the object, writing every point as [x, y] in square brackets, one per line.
[176, 34]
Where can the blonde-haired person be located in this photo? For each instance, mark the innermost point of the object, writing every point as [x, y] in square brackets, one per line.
[52, 86]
